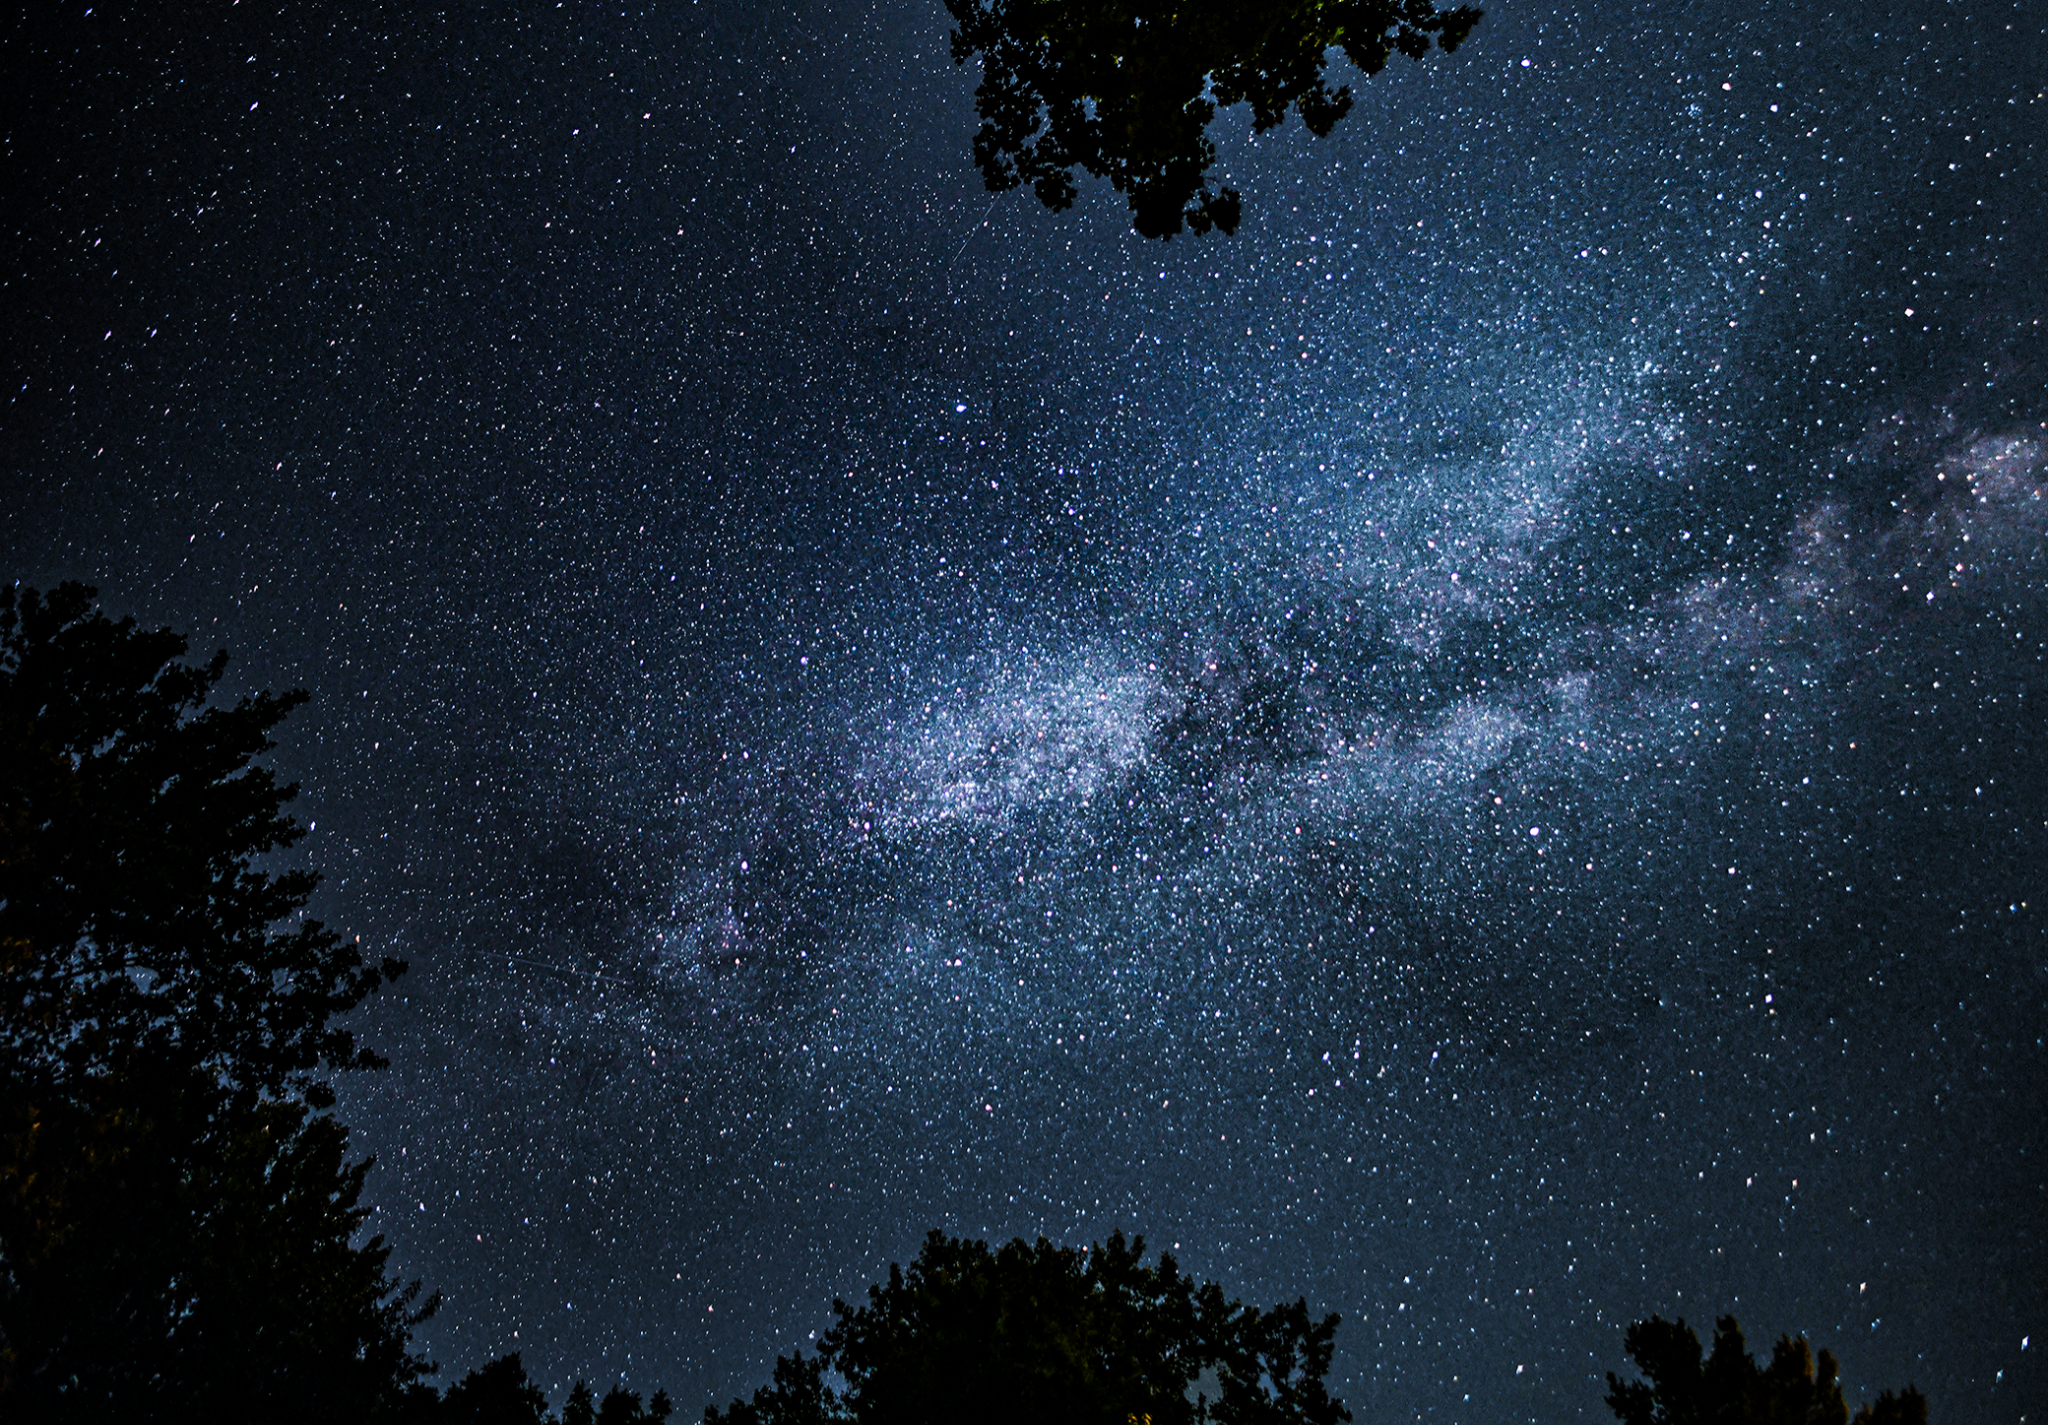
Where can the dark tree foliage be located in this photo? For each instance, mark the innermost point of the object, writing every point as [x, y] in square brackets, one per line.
[1031, 1333]
[797, 1395]
[501, 1394]
[134, 924]
[496, 1394]
[622, 1407]
[1126, 89]
[1728, 1385]
[176, 1215]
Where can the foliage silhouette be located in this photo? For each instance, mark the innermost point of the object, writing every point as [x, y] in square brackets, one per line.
[501, 1394]
[622, 1407]
[494, 1394]
[135, 925]
[1126, 89]
[1032, 1333]
[176, 1215]
[1729, 1386]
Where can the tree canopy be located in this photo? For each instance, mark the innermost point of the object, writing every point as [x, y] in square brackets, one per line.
[495, 1394]
[1034, 1332]
[500, 1393]
[177, 1214]
[1126, 89]
[1793, 1389]
[135, 925]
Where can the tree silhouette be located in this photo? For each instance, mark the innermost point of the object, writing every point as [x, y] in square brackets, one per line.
[176, 1214]
[797, 1395]
[622, 1407]
[495, 1394]
[500, 1394]
[1729, 1386]
[1126, 89]
[1031, 1333]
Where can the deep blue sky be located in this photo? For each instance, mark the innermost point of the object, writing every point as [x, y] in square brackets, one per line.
[1473, 752]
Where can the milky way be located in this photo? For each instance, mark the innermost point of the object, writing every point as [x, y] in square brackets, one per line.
[1472, 752]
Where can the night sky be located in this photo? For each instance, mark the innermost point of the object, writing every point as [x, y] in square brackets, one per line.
[1476, 752]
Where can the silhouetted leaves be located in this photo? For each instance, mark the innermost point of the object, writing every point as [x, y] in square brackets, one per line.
[496, 1394]
[622, 1407]
[176, 1220]
[1126, 89]
[501, 1394]
[134, 925]
[1793, 1389]
[798, 1395]
[1034, 1332]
